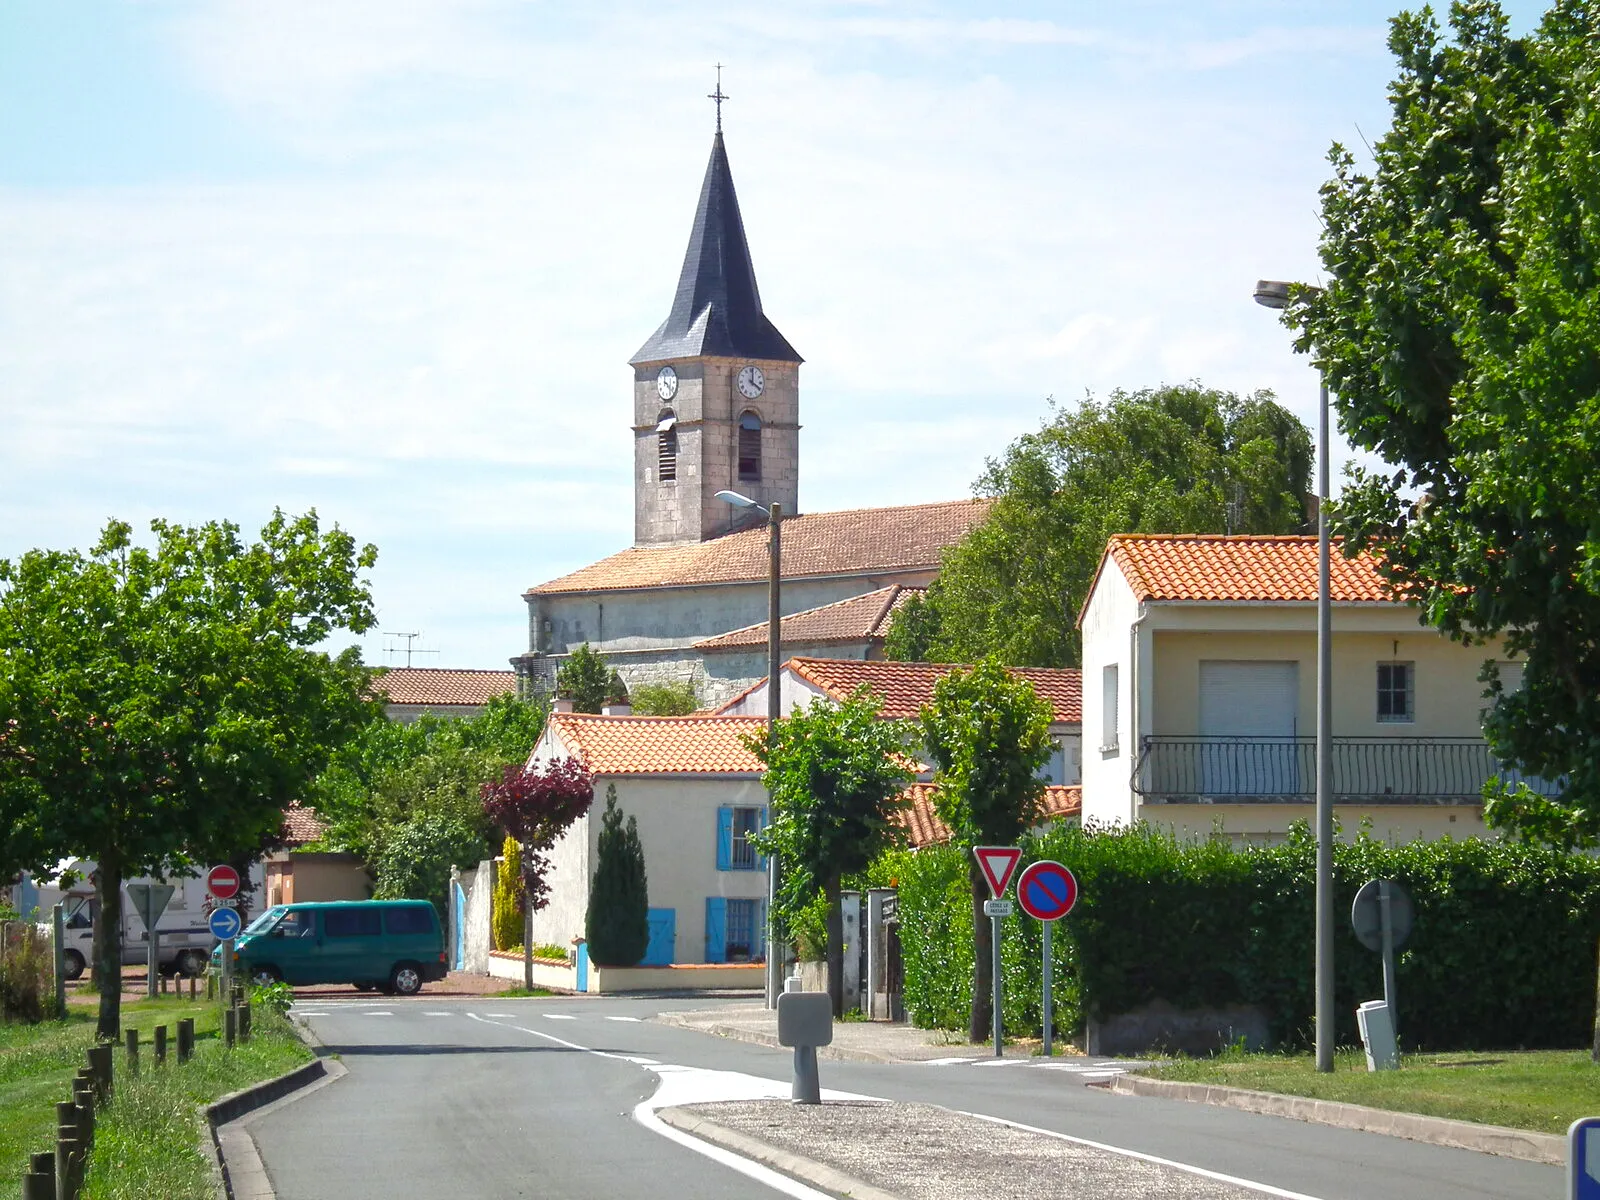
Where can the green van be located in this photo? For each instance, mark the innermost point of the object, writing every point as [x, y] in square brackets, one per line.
[391, 945]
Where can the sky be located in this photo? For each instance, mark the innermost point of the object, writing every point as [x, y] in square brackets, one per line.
[388, 258]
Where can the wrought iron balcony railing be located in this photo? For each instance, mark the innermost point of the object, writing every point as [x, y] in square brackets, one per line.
[1372, 769]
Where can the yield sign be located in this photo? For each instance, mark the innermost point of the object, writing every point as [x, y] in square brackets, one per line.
[998, 863]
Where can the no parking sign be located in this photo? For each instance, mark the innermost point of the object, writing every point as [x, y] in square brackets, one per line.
[1047, 891]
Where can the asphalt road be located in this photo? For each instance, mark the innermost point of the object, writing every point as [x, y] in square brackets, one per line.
[493, 1097]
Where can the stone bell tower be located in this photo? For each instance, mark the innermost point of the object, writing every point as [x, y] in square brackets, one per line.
[716, 389]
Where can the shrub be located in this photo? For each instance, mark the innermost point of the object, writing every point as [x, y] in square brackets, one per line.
[618, 920]
[506, 912]
[664, 699]
[414, 859]
[27, 973]
[1501, 955]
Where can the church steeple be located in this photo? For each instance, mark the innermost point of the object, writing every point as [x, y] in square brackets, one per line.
[717, 309]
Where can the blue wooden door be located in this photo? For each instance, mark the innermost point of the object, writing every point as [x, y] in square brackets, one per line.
[663, 937]
[583, 966]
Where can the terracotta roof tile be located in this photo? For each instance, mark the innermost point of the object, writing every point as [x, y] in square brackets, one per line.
[861, 618]
[693, 745]
[906, 687]
[924, 828]
[436, 685]
[859, 541]
[1215, 567]
[301, 825]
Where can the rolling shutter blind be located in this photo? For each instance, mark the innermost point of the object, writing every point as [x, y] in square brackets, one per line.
[1248, 699]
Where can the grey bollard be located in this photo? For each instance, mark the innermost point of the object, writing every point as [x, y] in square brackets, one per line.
[132, 1038]
[230, 1026]
[185, 1039]
[161, 1044]
[805, 1021]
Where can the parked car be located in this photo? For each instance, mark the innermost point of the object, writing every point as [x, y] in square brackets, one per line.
[390, 945]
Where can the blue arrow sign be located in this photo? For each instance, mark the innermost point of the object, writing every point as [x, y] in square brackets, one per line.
[1583, 1159]
[224, 923]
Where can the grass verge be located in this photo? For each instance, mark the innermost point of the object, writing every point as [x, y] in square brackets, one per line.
[37, 1063]
[1543, 1091]
[515, 993]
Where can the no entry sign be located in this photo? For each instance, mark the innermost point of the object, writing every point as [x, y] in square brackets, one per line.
[1047, 891]
[223, 882]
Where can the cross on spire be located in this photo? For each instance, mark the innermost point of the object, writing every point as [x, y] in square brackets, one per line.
[719, 97]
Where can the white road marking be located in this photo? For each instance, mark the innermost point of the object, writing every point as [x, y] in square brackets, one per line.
[945, 1062]
[695, 1085]
[558, 1016]
[305, 1012]
[999, 1062]
[644, 1062]
[1265, 1189]
[438, 1014]
[634, 1019]
[381, 1012]
[500, 1016]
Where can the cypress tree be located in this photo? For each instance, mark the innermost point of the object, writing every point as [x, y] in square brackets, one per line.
[506, 912]
[618, 919]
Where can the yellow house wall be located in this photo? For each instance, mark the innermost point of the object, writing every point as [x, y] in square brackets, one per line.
[1448, 697]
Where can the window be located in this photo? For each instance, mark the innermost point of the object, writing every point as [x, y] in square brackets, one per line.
[741, 945]
[1108, 708]
[1396, 692]
[750, 447]
[350, 922]
[666, 445]
[734, 849]
[413, 918]
[296, 923]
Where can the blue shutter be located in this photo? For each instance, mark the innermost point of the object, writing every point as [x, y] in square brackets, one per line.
[716, 929]
[725, 838]
[761, 859]
[761, 929]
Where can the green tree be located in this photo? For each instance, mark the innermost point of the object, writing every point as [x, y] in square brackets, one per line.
[1173, 459]
[988, 734]
[584, 679]
[417, 856]
[1460, 332]
[161, 705]
[506, 909]
[835, 773]
[618, 921]
[665, 699]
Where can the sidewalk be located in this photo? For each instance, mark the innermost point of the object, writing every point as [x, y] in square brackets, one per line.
[853, 1041]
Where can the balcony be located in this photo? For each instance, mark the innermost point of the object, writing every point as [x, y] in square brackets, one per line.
[1274, 770]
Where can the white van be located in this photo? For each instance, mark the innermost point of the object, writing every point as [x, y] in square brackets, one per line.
[185, 941]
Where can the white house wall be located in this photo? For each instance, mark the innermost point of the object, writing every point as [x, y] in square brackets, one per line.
[677, 818]
[1109, 635]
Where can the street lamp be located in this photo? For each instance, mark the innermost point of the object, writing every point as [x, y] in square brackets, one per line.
[774, 970]
[1274, 293]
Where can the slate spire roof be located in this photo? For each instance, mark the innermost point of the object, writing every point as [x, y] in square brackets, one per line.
[717, 310]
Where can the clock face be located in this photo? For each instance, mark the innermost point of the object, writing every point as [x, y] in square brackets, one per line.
[666, 383]
[751, 382]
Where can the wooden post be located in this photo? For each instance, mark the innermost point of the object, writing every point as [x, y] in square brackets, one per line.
[36, 1185]
[211, 985]
[132, 1036]
[161, 1044]
[83, 1101]
[1595, 1053]
[230, 1026]
[100, 1064]
[69, 1151]
[43, 1164]
[193, 983]
[244, 1021]
[185, 1039]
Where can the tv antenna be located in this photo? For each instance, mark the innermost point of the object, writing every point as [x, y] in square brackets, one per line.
[411, 645]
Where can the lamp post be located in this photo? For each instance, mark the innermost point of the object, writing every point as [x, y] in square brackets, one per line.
[774, 972]
[1273, 293]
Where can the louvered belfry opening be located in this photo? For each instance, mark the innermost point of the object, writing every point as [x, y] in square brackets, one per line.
[666, 446]
[750, 447]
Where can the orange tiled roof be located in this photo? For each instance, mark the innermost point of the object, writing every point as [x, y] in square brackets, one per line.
[906, 687]
[442, 685]
[1241, 567]
[859, 541]
[693, 745]
[924, 828]
[301, 825]
[859, 619]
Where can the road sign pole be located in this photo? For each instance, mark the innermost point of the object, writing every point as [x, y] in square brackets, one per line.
[1048, 971]
[994, 940]
[227, 971]
[152, 937]
[1385, 901]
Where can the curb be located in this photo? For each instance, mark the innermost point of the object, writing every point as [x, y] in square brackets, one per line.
[804, 1169]
[1439, 1131]
[237, 1166]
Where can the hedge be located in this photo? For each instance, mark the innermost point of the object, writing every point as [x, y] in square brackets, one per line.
[1503, 953]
